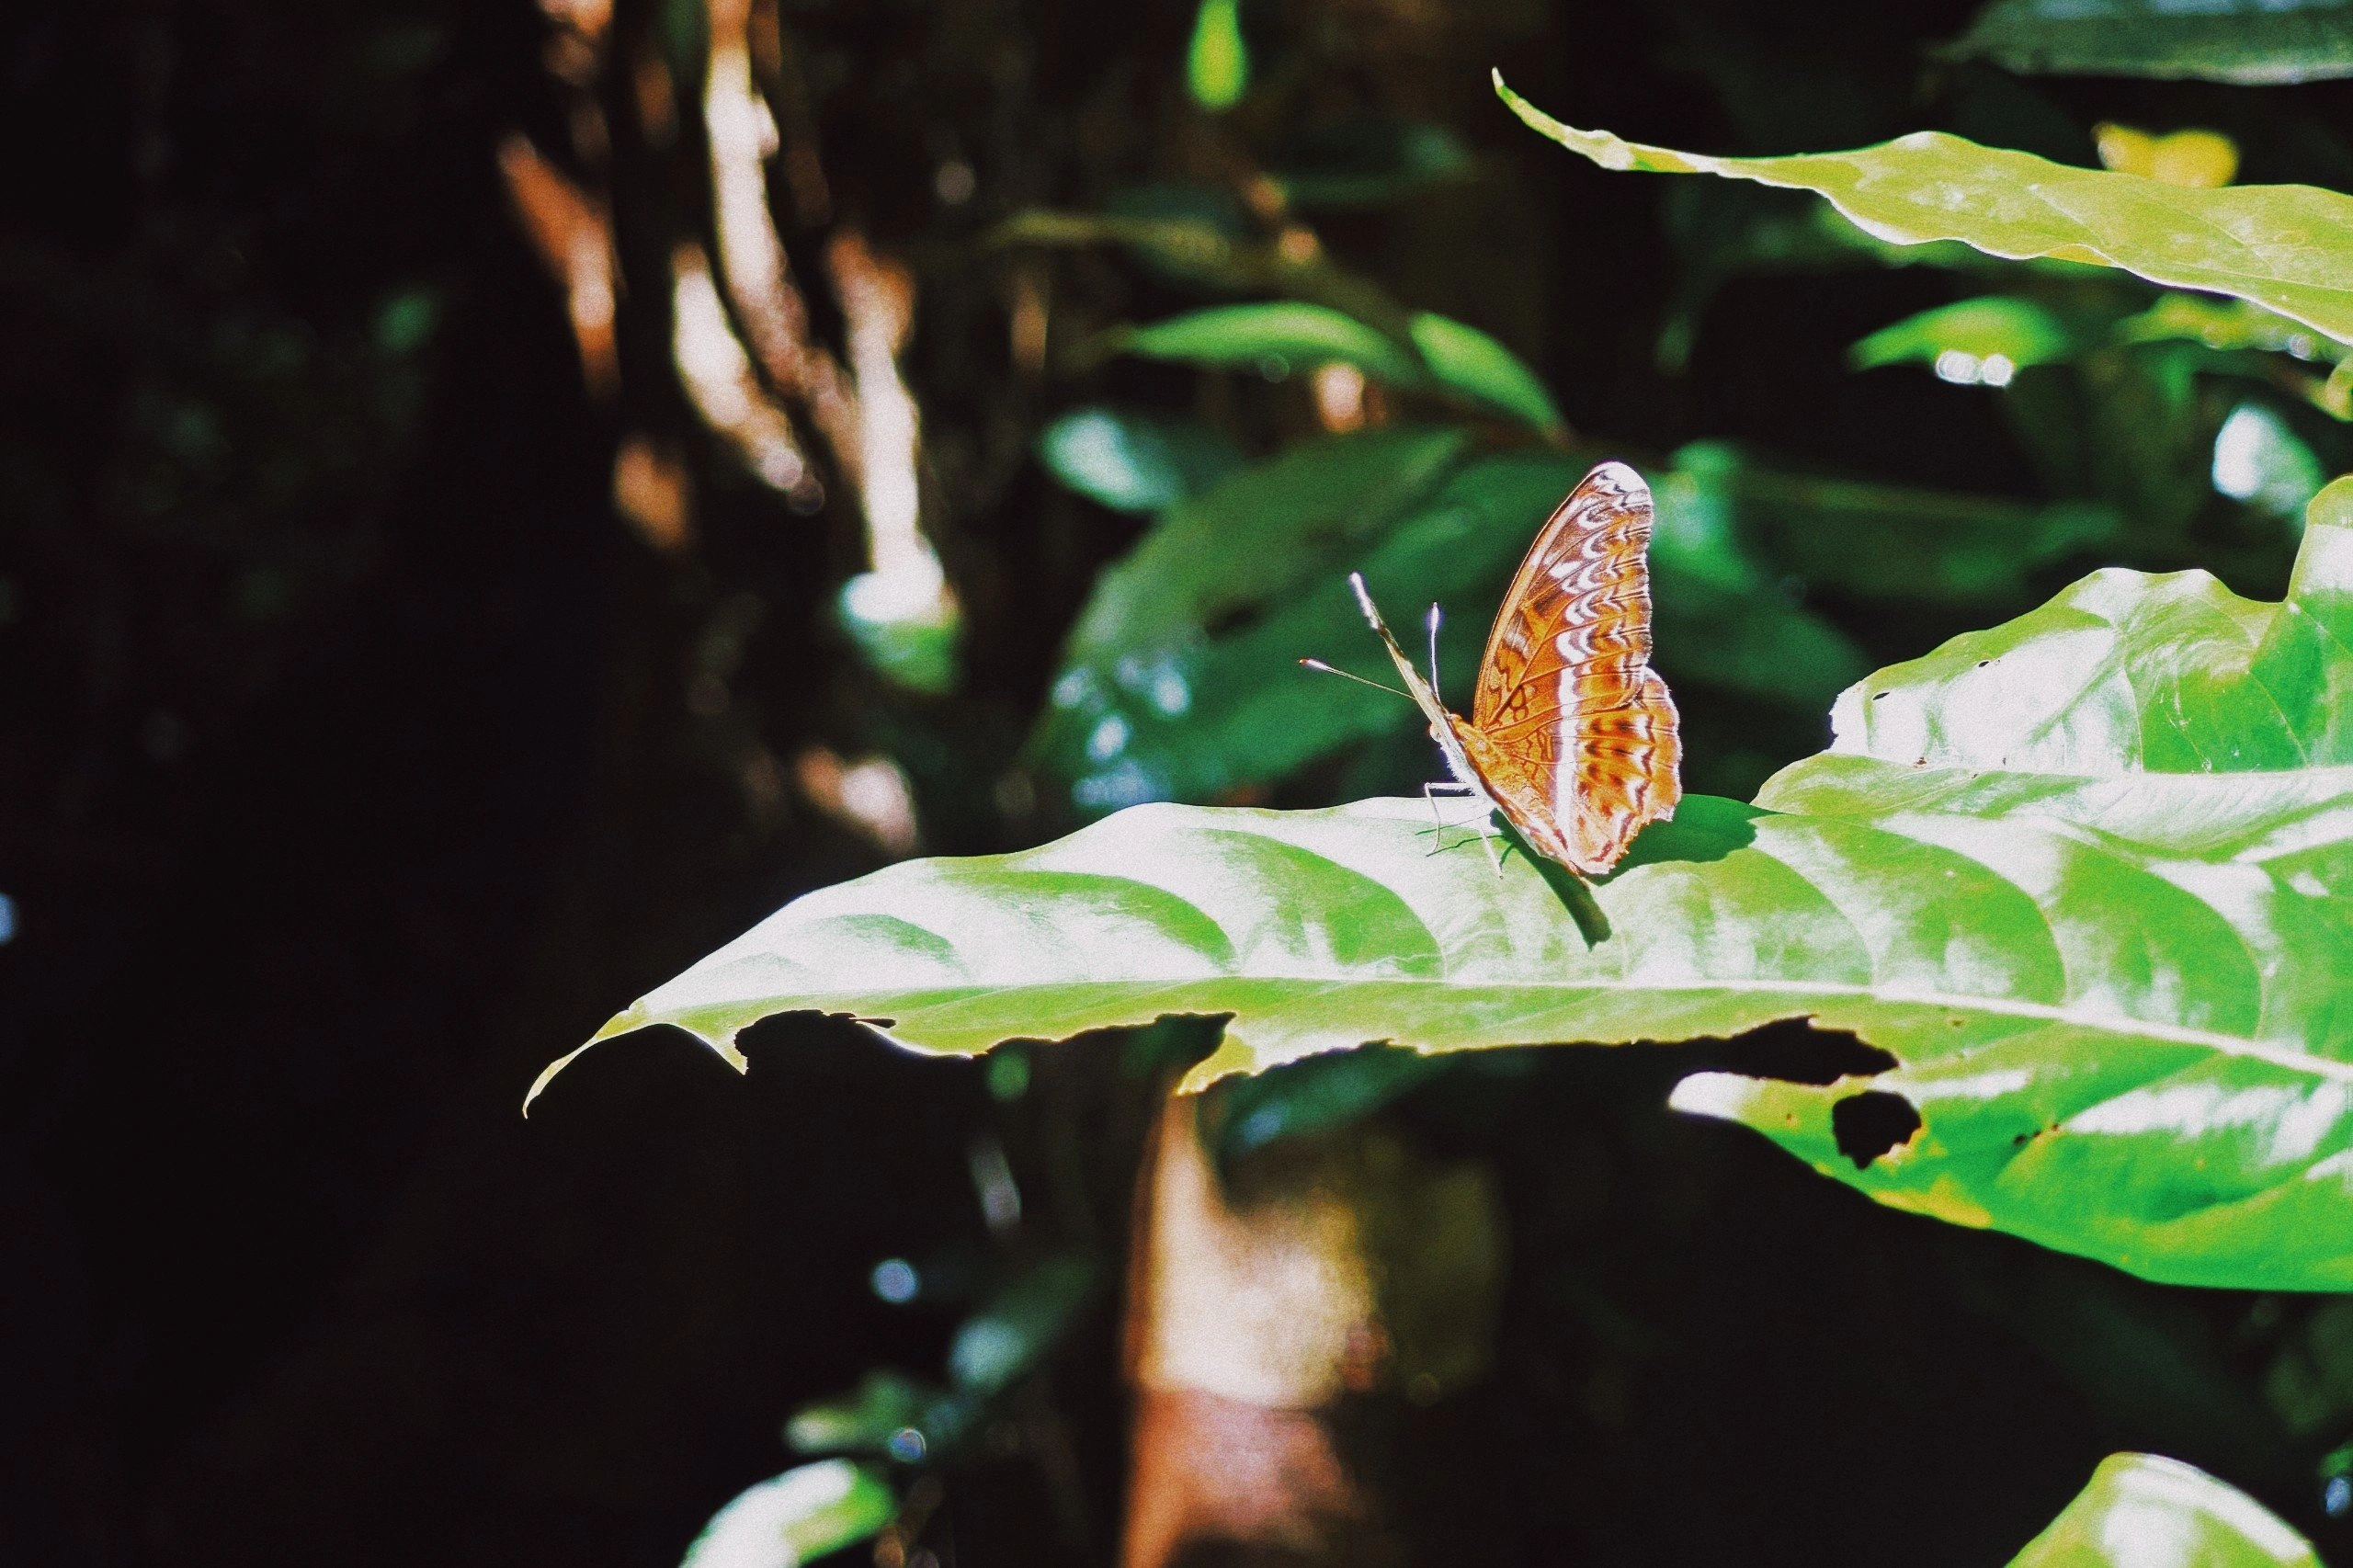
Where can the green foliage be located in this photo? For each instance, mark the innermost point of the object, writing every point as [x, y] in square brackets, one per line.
[2246, 41]
[2172, 759]
[795, 1518]
[1181, 681]
[2079, 875]
[1276, 337]
[2281, 246]
[1133, 460]
[2258, 460]
[1367, 162]
[2018, 331]
[1016, 1328]
[1464, 360]
[1217, 65]
[1181, 676]
[2142, 1509]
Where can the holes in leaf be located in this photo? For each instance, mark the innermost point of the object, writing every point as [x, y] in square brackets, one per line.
[1795, 1052]
[1871, 1124]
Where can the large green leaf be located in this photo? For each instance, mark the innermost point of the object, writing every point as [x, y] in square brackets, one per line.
[2083, 876]
[2173, 769]
[2145, 1511]
[2286, 246]
[2247, 42]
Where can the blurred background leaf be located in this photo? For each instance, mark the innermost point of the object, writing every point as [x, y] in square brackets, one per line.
[1134, 460]
[2138, 1506]
[2245, 41]
[802, 1515]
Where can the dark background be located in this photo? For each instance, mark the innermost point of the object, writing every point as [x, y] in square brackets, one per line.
[351, 769]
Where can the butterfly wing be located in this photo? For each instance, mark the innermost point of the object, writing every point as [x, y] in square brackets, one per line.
[1572, 730]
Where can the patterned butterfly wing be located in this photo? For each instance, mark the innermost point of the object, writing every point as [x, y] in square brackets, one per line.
[1572, 731]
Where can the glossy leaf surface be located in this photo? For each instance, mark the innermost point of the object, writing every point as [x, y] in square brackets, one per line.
[2246, 41]
[2082, 875]
[2145, 1511]
[2283, 246]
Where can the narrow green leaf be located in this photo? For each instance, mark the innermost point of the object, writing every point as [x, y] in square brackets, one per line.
[1465, 359]
[1275, 337]
[2142, 1510]
[2083, 876]
[1217, 65]
[795, 1519]
[2251, 43]
[1995, 330]
[2289, 247]
[1135, 461]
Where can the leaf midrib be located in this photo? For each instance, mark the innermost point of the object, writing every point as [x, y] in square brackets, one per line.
[865, 1006]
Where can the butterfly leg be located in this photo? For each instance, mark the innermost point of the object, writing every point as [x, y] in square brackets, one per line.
[1478, 823]
[1430, 793]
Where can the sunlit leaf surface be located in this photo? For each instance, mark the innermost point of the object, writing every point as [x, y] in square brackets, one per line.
[1276, 337]
[1465, 360]
[2248, 41]
[2282, 245]
[2143, 1511]
[2082, 875]
[2016, 331]
[795, 1518]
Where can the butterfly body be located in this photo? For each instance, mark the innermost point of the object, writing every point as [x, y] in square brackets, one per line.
[1572, 735]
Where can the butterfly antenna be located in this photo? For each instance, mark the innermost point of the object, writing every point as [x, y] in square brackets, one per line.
[1323, 668]
[1434, 620]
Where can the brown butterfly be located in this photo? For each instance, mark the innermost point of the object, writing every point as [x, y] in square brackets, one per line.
[1572, 735]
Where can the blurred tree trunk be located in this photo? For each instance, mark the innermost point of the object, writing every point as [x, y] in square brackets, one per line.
[1276, 1322]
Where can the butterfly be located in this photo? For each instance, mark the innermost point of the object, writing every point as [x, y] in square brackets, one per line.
[1572, 734]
